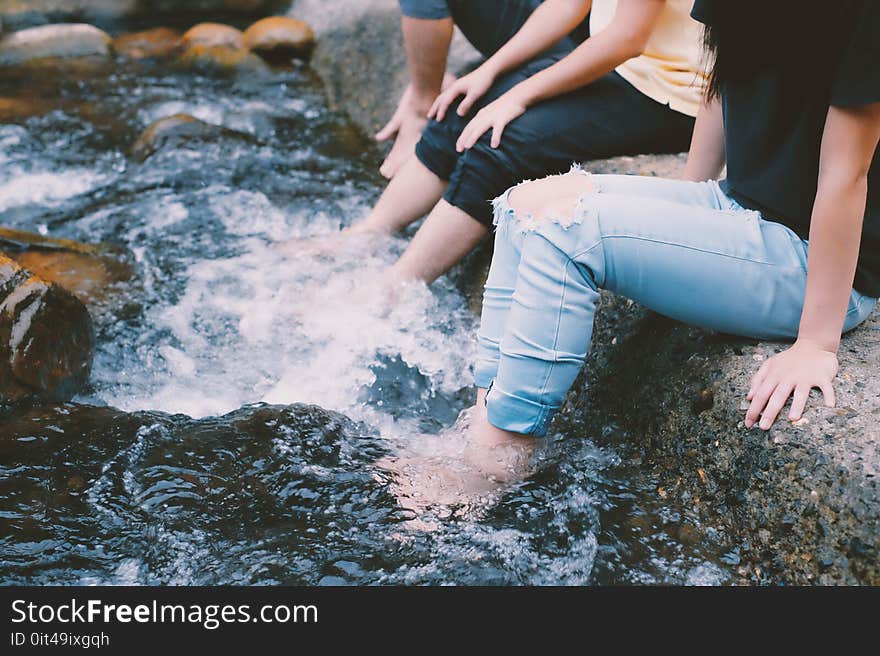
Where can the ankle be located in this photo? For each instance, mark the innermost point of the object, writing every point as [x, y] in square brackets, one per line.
[366, 228]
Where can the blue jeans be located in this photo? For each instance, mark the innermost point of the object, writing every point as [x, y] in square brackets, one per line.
[683, 249]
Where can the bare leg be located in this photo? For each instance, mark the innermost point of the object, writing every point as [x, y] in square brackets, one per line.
[446, 236]
[427, 47]
[462, 470]
[409, 195]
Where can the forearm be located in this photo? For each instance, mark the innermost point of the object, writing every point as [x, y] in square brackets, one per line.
[848, 145]
[707, 154]
[547, 25]
[427, 48]
[625, 38]
[835, 234]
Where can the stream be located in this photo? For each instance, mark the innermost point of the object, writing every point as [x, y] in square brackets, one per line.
[242, 402]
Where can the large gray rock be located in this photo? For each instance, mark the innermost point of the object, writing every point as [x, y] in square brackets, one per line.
[804, 500]
[359, 55]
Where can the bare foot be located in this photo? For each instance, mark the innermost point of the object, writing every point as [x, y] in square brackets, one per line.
[345, 242]
[460, 472]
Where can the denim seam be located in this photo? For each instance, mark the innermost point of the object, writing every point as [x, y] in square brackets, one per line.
[692, 248]
[858, 306]
[552, 365]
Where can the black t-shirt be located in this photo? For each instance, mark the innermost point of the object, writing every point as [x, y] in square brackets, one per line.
[820, 54]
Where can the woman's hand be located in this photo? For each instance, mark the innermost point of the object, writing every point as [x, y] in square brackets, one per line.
[472, 86]
[795, 371]
[495, 116]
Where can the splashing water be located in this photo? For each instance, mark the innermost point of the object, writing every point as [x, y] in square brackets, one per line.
[193, 483]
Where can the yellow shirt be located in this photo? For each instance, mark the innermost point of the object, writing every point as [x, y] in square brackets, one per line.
[670, 70]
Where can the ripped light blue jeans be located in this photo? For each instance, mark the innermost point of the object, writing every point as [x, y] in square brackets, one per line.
[682, 249]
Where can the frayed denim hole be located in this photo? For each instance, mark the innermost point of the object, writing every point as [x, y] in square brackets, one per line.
[501, 208]
[581, 210]
[502, 211]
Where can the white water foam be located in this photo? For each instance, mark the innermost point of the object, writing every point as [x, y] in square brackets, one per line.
[19, 187]
[260, 326]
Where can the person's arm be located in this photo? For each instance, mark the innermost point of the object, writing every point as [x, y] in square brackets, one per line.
[624, 38]
[848, 144]
[545, 27]
[707, 154]
[427, 47]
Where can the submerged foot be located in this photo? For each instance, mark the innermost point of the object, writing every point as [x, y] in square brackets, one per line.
[349, 241]
[460, 472]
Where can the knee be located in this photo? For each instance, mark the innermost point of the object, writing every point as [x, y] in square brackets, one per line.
[481, 173]
[555, 197]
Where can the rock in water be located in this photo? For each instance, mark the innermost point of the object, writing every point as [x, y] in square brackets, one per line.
[90, 278]
[179, 127]
[13, 110]
[46, 337]
[19, 239]
[213, 35]
[69, 40]
[102, 276]
[158, 42]
[222, 58]
[176, 129]
[280, 38]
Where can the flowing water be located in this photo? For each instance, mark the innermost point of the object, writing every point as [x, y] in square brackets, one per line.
[191, 458]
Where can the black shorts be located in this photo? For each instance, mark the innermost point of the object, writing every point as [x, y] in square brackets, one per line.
[605, 119]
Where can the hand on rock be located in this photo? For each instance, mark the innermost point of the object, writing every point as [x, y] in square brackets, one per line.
[793, 372]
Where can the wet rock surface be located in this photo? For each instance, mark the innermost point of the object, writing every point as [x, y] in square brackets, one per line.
[46, 337]
[802, 497]
[179, 129]
[97, 274]
[15, 109]
[150, 497]
[50, 41]
[804, 500]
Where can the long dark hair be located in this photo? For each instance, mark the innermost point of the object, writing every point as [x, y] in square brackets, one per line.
[743, 36]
